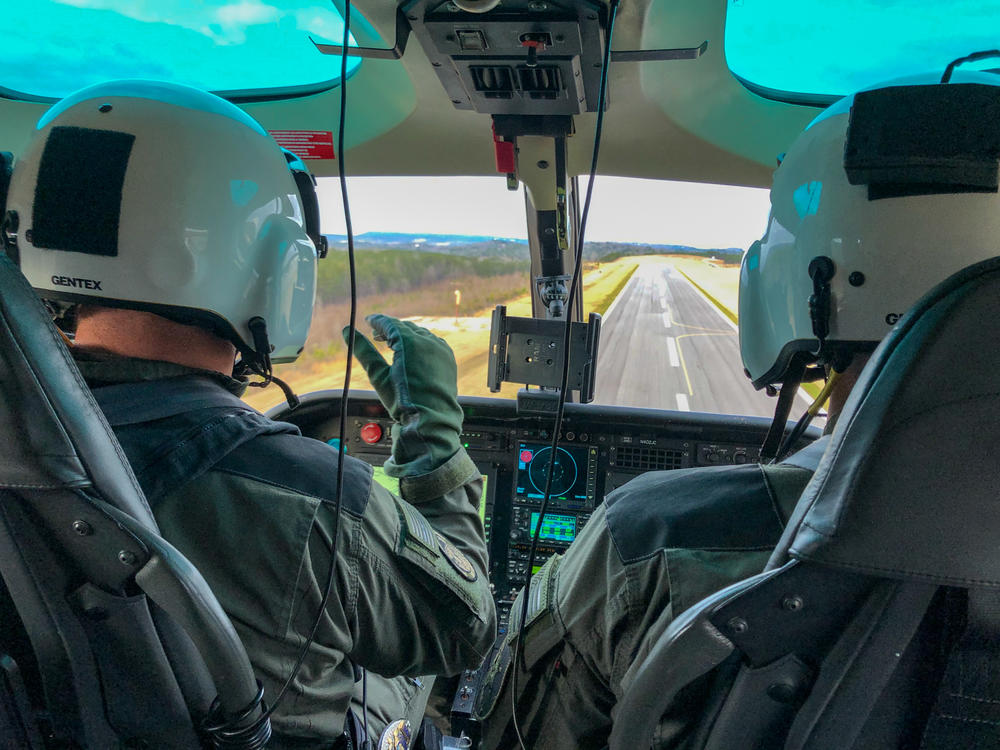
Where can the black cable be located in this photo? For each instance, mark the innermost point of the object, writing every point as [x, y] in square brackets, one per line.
[786, 396]
[984, 55]
[793, 436]
[366, 742]
[347, 374]
[561, 404]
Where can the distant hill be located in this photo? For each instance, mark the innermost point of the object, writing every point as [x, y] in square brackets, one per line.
[606, 251]
[396, 238]
[468, 246]
[513, 249]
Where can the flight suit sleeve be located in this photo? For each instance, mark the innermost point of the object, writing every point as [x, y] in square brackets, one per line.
[412, 573]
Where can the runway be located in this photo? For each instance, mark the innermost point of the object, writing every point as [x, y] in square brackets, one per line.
[665, 346]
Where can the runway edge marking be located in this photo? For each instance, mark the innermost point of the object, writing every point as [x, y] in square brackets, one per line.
[614, 302]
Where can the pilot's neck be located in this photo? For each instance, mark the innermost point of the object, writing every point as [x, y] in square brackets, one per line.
[133, 333]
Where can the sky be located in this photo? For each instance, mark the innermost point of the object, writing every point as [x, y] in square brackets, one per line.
[63, 45]
[836, 48]
[623, 209]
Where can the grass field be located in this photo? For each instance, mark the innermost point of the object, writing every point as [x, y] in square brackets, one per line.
[401, 271]
[322, 364]
[720, 281]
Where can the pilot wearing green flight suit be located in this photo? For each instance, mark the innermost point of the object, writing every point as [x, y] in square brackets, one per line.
[172, 225]
[666, 540]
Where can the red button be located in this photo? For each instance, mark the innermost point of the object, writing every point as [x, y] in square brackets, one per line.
[371, 433]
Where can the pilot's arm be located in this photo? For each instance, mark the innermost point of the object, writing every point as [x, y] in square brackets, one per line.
[415, 594]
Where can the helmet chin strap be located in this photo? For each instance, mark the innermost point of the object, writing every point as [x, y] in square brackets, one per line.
[821, 270]
[786, 397]
[259, 362]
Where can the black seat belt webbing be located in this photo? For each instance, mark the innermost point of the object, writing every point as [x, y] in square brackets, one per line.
[858, 668]
[966, 713]
[786, 396]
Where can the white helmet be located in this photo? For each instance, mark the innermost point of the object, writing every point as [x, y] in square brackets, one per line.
[164, 198]
[890, 207]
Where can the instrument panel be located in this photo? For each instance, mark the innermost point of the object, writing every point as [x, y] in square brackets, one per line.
[600, 449]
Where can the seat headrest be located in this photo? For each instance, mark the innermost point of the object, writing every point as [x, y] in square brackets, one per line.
[54, 434]
[909, 486]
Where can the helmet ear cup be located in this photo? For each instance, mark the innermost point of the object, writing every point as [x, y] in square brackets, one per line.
[306, 185]
[8, 221]
[6, 170]
[292, 288]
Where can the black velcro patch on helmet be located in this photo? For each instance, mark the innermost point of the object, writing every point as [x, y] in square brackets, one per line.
[78, 196]
[923, 140]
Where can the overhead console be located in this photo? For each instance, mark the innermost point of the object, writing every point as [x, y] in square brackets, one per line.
[513, 57]
[534, 57]
[600, 449]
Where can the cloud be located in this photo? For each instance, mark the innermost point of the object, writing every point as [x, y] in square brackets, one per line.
[247, 13]
[205, 44]
[224, 24]
[321, 25]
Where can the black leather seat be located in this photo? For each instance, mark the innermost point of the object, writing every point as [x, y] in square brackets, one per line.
[877, 623]
[110, 637]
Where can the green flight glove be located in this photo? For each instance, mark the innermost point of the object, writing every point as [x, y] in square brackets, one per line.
[419, 390]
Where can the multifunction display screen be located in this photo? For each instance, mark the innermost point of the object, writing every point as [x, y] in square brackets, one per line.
[569, 474]
[556, 527]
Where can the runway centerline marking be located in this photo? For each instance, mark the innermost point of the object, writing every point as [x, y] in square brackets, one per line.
[682, 402]
[672, 351]
[666, 319]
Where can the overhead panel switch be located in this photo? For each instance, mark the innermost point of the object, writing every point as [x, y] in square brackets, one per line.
[471, 40]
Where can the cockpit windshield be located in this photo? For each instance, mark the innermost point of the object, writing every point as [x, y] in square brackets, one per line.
[661, 265]
[244, 47]
[795, 49]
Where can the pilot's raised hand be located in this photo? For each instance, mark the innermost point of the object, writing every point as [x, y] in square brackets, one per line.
[419, 390]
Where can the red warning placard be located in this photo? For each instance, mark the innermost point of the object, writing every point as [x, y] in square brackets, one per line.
[306, 144]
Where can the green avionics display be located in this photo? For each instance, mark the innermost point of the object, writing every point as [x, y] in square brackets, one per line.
[556, 527]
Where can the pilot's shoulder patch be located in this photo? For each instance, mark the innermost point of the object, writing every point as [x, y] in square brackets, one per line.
[456, 558]
[396, 736]
[440, 563]
[418, 529]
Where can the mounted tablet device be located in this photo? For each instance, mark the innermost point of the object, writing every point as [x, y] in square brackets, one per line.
[530, 351]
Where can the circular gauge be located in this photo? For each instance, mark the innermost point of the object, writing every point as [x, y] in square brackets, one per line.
[564, 472]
